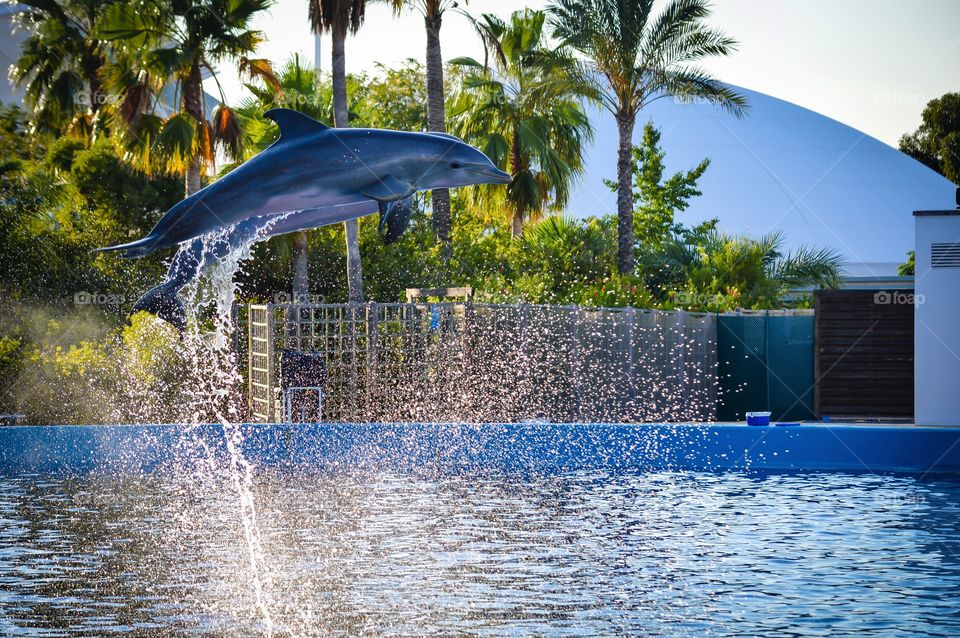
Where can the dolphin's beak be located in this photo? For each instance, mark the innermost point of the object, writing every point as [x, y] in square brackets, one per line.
[494, 174]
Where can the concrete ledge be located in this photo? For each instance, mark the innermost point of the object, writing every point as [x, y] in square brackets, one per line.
[465, 447]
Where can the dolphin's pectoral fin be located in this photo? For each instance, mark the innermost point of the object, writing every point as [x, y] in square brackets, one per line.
[388, 189]
[394, 219]
[294, 124]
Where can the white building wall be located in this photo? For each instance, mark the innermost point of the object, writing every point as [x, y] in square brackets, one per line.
[937, 326]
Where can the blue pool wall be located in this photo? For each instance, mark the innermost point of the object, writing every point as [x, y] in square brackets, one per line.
[460, 447]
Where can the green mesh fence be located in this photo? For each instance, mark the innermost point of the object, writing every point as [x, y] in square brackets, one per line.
[765, 363]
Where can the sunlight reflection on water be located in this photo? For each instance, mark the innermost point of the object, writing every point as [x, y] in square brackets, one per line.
[673, 554]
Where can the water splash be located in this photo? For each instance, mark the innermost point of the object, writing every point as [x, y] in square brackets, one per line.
[218, 391]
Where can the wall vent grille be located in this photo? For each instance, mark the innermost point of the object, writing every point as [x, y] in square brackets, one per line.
[945, 255]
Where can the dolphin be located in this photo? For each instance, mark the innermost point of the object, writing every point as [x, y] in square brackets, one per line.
[313, 166]
[201, 252]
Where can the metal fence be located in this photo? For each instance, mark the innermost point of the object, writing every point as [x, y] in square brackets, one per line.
[491, 363]
[765, 362]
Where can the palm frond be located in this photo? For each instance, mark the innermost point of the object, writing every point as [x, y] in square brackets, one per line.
[336, 15]
[227, 131]
[178, 142]
[804, 266]
[262, 69]
[691, 83]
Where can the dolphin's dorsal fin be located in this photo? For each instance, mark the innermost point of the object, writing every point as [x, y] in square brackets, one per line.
[294, 124]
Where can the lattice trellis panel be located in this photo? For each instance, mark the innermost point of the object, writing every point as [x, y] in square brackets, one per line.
[489, 362]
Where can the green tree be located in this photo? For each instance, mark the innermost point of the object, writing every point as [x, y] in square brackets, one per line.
[909, 267]
[655, 200]
[54, 211]
[432, 12]
[156, 41]
[524, 111]
[394, 98]
[936, 142]
[60, 63]
[338, 17]
[17, 145]
[635, 59]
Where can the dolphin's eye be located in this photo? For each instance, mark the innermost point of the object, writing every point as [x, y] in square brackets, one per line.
[455, 164]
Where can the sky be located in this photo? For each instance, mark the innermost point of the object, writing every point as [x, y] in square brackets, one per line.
[870, 64]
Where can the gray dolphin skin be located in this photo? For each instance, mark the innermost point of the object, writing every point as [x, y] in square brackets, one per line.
[313, 166]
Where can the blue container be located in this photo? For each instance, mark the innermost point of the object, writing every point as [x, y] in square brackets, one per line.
[758, 418]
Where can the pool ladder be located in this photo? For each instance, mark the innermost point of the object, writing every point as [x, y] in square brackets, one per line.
[288, 396]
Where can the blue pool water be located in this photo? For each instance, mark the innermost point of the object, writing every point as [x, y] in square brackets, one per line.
[569, 552]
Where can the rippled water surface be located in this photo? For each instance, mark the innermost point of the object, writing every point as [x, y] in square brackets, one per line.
[672, 554]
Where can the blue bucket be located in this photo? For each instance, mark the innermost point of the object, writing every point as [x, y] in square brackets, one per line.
[758, 418]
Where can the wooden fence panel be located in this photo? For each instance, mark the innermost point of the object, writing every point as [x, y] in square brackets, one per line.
[864, 353]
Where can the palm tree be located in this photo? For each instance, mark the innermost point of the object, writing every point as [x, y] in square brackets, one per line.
[156, 42]
[432, 12]
[524, 112]
[338, 17]
[724, 271]
[634, 60]
[60, 62]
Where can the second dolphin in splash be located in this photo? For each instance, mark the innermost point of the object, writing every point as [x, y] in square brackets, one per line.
[202, 252]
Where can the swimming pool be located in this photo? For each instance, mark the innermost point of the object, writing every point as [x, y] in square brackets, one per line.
[529, 529]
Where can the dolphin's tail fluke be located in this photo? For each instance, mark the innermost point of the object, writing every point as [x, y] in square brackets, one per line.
[164, 302]
[139, 248]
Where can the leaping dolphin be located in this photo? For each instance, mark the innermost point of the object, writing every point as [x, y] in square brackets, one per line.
[313, 166]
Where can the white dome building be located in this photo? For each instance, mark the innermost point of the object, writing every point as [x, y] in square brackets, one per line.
[782, 167]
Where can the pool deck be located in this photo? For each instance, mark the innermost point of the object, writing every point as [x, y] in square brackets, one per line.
[913, 449]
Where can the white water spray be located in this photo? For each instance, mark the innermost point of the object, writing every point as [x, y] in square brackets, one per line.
[218, 392]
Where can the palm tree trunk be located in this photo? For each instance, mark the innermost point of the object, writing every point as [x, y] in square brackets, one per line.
[625, 252]
[300, 251]
[442, 223]
[516, 224]
[517, 165]
[301, 273]
[340, 117]
[192, 103]
[92, 64]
